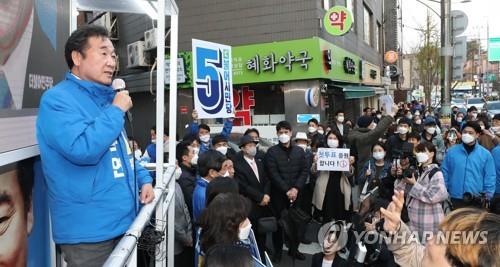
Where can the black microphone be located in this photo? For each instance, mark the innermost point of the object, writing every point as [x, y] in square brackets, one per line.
[119, 85]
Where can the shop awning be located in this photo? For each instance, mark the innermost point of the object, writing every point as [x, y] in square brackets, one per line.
[353, 92]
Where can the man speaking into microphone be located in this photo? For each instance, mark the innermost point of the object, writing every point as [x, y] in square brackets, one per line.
[94, 185]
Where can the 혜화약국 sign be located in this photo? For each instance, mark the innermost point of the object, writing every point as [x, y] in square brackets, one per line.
[333, 159]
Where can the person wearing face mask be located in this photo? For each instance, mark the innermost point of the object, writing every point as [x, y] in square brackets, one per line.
[287, 168]
[254, 133]
[313, 133]
[425, 192]
[409, 252]
[417, 126]
[339, 124]
[225, 221]
[221, 144]
[183, 241]
[254, 184]
[332, 191]
[430, 135]
[376, 173]
[306, 195]
[472, 114]
[398, 141]
[469, 168]
[451, 138]
[378, 116]
[362, 138]
[150, 151]
[203, 131]
[458, 120]
[209, 167]
[187, 160]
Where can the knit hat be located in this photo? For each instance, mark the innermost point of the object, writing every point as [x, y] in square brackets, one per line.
[365, 121]
[429, 120]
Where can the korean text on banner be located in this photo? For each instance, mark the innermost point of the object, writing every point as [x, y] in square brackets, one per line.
[333, 159]
[213, 84]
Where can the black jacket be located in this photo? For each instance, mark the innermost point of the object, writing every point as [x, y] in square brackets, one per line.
[287, 169]
[187, 181]
[396, 146]
[251, 187]
[344, 133]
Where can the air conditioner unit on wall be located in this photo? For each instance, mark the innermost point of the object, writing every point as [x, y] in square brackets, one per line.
[105, 20]
[150, 39]
[135, 55]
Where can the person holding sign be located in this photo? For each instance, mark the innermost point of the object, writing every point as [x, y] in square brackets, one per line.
[332, 192]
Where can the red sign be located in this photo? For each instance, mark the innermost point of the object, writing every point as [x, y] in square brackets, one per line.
[243, 100]
[183, 109]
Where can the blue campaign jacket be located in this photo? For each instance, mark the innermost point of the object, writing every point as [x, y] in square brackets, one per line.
[496, 158]
[88, 166]
[474, 172]
[199, 198]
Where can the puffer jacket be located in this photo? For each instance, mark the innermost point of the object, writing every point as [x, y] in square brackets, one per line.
[287, 168]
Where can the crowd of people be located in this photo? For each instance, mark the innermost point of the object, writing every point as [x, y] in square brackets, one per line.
[407, 171]
[436, 168]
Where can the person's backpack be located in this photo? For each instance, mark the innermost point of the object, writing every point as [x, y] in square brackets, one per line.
[446, 204]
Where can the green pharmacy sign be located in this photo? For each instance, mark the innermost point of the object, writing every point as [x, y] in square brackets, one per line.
[338, 20]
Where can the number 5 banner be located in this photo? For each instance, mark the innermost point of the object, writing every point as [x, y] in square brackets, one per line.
[213, 83]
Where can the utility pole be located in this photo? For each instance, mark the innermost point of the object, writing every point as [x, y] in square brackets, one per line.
[446, 53]
[487, 51]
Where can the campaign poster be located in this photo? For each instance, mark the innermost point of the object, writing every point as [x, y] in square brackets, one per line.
[213, 83]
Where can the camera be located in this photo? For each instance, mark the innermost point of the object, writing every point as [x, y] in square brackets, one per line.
[408, 173]
[478, 201]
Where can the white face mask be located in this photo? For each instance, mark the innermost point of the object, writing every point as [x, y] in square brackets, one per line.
[417, 113]
[333, 143]
[321, 132]
[138, 154]
[418, 122]
[482, 127]
[495, 129]
[422, 157]
[460, 119]
[467, 138]
[378, 155]
[196, 150]
[222, 149]
[194, 160]
[244, 232]
[340, 119]
[153, 141]
[403, 130]
[177, 173]
[226, 174]
[474, 115]
[252, 151]
[205, 138]
[431, 130]
[409, 116]
[284, 138]
[303, 146]
[311, 129]
[379, 116]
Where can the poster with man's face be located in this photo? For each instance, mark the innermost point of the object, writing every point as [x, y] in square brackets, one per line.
[32, 37]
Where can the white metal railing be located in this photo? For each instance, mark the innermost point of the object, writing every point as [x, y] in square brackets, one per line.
[125, 251]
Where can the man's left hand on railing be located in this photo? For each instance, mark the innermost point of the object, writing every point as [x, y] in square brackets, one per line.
[147, 194]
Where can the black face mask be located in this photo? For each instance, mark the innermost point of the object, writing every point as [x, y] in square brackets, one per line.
[455, 112]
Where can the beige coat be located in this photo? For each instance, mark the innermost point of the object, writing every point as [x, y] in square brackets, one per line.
[320, 189]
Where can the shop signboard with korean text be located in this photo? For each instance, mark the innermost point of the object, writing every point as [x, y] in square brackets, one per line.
[338, 20]
[303, 59]
[344, 66]
[278, 61]
[494, 49]
[333, 159]
[212, 80]
[370, 73]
